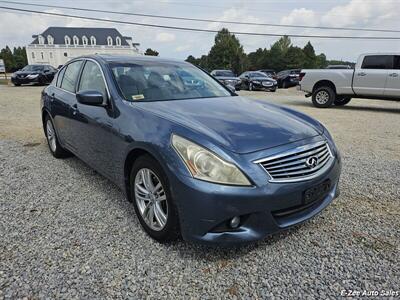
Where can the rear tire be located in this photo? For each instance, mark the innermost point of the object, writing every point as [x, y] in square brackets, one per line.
[340, 100]
[162, 224]
[52, 140]
[323, 97]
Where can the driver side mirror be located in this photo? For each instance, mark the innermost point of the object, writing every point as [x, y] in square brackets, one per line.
[90, 97]
[231, 89]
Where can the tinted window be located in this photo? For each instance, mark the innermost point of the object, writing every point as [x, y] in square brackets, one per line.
[92, 78]
[224, 73]
[33, 68]
[396, 62]
[258, 74]
[377, 62]
[156, 81]
[71, 76]
[60, 76]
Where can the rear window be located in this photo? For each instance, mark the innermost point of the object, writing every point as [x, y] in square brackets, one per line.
[60, 77]
[71, 76]
[377, 62]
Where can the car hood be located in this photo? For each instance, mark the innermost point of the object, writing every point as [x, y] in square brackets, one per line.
[236, 123]
[26, 73]
[262, 79]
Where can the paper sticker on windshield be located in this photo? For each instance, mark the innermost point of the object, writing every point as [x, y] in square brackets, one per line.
[138, 97]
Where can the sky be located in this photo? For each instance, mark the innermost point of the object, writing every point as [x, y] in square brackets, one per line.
[16, 29]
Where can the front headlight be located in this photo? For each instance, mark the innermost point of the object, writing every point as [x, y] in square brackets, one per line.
[256, 81]
[207, 166]
[32, 76]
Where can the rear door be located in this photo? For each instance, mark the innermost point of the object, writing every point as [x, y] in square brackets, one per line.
[392, 88]
[63, 101]
[370, 79]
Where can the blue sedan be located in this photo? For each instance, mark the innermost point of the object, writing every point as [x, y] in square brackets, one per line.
[195, 159]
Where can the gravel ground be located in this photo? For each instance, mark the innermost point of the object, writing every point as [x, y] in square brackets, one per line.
[67, 232]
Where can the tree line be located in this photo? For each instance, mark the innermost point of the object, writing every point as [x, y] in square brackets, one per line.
[14, 59]
[228, 53]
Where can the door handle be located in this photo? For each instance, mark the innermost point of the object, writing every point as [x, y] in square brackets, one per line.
[362, 74]
[74, 109]
[394, 74]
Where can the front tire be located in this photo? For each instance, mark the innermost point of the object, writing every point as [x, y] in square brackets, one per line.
[52, 140]
[152, 200]
[17, 84]
[323, 97]
[340, 100]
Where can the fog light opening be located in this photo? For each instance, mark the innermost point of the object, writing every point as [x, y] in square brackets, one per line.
[234, 222]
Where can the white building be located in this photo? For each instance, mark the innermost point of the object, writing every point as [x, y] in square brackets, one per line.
[57, 45]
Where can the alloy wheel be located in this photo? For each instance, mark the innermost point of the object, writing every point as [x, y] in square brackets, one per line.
[51, 136]
[322, 97]
[151, 199]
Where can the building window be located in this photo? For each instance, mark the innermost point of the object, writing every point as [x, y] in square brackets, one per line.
[41, 54]
[76, 40]
[51, 54]
[50, 40]
[67, 40]
[65, 54]
[109, 41]
[84, 40]
[92, 40]
[41, 39]
[33, 55]
[118, 41]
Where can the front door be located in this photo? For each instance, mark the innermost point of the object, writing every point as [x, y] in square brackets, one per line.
[370, 79]
[94, 126]
[392, 88]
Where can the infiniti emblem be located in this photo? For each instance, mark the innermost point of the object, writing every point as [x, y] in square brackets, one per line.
[312, 162]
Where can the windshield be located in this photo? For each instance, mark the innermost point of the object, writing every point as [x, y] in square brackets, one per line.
[224, 73]
[33, 68]
[155, 81]
[257, 74]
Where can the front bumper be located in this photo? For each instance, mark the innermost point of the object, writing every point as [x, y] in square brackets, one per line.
[260, 86]
[204, 206]
[17, 80]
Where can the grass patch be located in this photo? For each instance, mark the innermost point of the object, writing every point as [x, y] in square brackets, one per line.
[4, 81]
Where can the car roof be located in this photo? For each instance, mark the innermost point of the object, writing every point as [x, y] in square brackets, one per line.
[109, 58]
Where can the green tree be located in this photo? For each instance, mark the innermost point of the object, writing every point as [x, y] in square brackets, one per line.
[20, 58]
[151, 52]
[310, 59]
[227, 53]
[7, 55]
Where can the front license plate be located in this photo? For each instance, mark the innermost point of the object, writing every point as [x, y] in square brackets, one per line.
[317, 192]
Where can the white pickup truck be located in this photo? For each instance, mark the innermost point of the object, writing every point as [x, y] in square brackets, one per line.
[375, 76]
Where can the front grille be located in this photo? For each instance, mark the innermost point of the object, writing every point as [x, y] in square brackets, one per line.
[301, 163]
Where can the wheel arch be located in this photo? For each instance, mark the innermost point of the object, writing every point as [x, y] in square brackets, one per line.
[322, 83]
[130, 159]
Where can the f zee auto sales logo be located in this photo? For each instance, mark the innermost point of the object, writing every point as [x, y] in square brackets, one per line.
[312, 162]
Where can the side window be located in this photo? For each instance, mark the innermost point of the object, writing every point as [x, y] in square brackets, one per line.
[71, 76]
[92, 78]
[60, 76]
[377, 62]
[396, 62]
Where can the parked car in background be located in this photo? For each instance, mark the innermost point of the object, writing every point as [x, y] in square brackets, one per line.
[374, 76]
[269, 72]
[288, 78]
[39, 74]
[2, 66]
[227, 77]
[255, 80]
[338, 67]
[196, 161]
